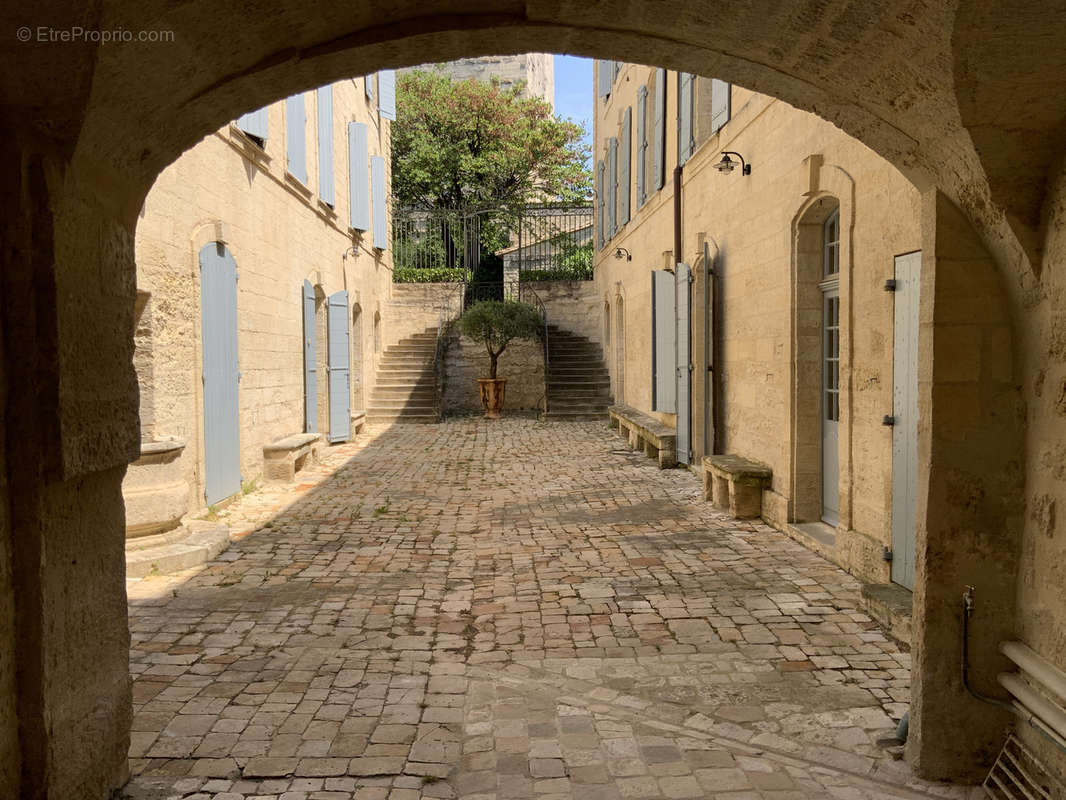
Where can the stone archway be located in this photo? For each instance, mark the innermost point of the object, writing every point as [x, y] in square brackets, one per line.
[90, 130]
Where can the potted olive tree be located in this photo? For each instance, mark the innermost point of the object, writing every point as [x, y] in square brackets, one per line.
[495, 324]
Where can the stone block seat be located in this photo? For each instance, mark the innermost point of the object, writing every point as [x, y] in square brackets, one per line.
[735, 484]
[657, 440]
[285, 457]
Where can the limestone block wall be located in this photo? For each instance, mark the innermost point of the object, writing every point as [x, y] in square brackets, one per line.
[414, 307]
[747, 222]
[280, 233]
[522, 363]
[573, 305]
[536, 69]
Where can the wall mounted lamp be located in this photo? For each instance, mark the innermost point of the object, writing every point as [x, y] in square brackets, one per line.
[727, 164]
[620, 251]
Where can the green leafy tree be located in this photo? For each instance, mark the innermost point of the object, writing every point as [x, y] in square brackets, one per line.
[495, 323]
[475, 145]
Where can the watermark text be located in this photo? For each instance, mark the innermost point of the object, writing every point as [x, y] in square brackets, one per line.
[77, 34]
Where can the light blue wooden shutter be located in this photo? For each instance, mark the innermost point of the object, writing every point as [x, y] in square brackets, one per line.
[340, 397]
[368, 84]
[720, 103]
[612, 187]
[296, 137]
[256, 123]
[387, 93]
[325, 145]
[218, 320]
[358, 177]
[605, 76]
[642, 142]
[684, 117]
[659, 143]
[684, 358]
[625, 158]
[664, 346]
[310, 370]
[377, 201]
[601, 205]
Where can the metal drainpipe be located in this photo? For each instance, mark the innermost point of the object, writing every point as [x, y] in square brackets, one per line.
[677, 212]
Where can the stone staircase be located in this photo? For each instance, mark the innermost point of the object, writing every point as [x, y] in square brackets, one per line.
[579, 386]
[406, 388]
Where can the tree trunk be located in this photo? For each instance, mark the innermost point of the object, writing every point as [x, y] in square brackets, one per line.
[493, 358]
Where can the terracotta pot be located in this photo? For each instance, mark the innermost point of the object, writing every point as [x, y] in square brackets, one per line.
[492, 390]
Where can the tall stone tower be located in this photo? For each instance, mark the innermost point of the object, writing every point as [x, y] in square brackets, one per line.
[536, 69]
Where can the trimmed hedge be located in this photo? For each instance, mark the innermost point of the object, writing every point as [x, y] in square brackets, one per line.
[582, 273]
[429, 275]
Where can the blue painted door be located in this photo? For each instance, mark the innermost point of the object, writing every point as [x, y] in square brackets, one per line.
[684, 363]
[218, 318]
[340, 391]
[310, 373]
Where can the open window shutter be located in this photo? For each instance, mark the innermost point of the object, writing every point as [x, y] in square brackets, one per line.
[605, 76]
[377, 201]
[720, 103]
[325, 145]
[601, 203]
[296, 137]
[340, 396]
[684, 358]
[368, 84]
[625, 158]
[256, 123]
[659, 143]
[612, 186]
[684, 117]
[358, 177]
[310, 376]
[387, 93]
[642, 141]
[664, 348]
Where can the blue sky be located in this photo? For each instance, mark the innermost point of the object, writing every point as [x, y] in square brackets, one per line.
[573, 91]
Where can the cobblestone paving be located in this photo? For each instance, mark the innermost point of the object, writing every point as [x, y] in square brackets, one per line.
[508, 610]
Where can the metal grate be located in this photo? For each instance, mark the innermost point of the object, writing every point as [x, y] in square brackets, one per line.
[1017, 775]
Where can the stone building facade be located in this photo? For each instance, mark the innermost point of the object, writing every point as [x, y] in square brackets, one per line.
[792, 325]
[536, 69]
[267, 242]
[90, 128]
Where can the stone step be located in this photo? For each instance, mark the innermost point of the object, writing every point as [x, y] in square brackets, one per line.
[386, 418]
[421, 394]
[574, 416]
[396, 404]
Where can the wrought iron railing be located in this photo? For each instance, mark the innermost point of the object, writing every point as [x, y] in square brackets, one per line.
[535, 241]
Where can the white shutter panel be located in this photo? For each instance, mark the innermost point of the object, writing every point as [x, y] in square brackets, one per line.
[720, 103]
[256, 123]
[664, 347]
[612, 187]
[377, 197]
[659, 143]
[624, 159]
[684, 117]
[642, 142]
[296, 137]
[358, 177]
[601, 203]
[605, 76]
[387, 93]
[325, 144]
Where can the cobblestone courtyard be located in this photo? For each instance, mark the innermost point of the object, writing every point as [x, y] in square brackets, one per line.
[508, 610]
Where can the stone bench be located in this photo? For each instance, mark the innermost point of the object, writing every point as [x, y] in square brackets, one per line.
[358, 421]
[657, 440]
[285, 457]
[735, 484]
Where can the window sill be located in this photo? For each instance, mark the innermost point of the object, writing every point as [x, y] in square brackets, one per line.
[326, 209]
[248, 145]
[297, 184]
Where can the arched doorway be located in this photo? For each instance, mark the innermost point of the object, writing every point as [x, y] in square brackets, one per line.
[75, 192]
